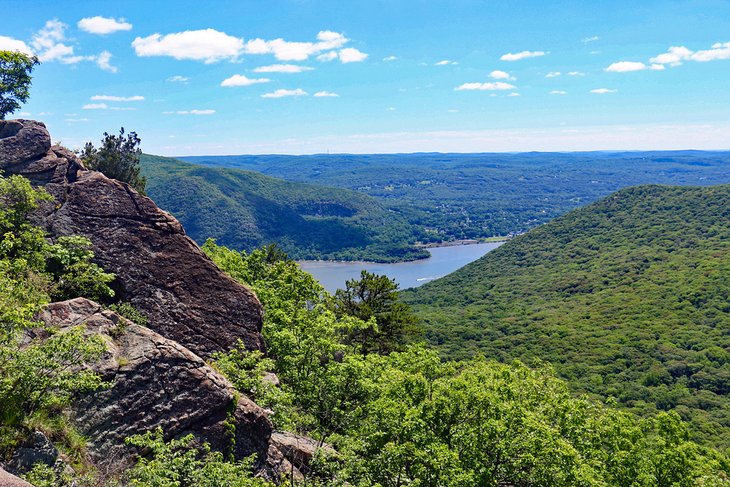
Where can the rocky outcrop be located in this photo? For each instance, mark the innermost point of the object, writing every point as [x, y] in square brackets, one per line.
[161, 271]
[9, 480]
[156, 382]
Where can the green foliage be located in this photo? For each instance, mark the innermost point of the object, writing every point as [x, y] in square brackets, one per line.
[409, 418]
[118, 158]
[39, 366]
[375, 297]
[15, 79]
[245, 210]
[185, 463]
[627, 298]
[69, 262]
[128, 311]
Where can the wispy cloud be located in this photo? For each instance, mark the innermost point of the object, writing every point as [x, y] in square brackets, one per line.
[242, 80]
[603, 91]
[178, 79]
[575, 73]
[321, 94]
[514, 94]
[553, 74]
[282, 68]
[558, 92]
[445, 62]
[284, 93]
[497, 85]
[50, 44]
[587, 40]
[117, 98]
[389, 58]
[521, 55]
[103, 25]
[104, 106]
[191, 112]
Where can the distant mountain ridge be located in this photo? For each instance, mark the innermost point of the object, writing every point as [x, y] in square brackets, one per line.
[245, 210]
[456, 196]
[627, 297]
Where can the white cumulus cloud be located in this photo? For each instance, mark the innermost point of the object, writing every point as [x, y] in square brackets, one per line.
[103, 25]
[351, 55]
[522, 55]
[282, 68]
[208, 45]
[389, 58]
[553, 74]
[321, 94]
[10, 44]
[497, 85]
[603, 91]
[497, 74]
[675, 55]
[445, 62]
[283, 93]
[242, 80]
[282, 50]
[626, 66]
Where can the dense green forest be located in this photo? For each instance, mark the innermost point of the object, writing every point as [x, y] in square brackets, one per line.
[628, 298]
[245, 210]
[457, 196]
[410, 418]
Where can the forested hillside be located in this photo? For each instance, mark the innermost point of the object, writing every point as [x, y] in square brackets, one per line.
[456, 196]
[245, 210]
[628, 297]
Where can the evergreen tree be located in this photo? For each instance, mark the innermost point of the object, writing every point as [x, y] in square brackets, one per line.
[118, 158]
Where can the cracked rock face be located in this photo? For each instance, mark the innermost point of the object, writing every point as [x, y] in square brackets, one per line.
[160, 270]
[156, 382]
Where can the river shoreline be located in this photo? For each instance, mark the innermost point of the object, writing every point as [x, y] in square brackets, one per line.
[431, 245]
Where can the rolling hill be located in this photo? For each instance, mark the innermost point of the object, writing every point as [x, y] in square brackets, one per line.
[628, 297]
[245, 210]
[456, 196]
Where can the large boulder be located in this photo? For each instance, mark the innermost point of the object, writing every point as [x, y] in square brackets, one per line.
[160, 270]
[158, 383]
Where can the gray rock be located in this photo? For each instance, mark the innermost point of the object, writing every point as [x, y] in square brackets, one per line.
[36, 449]
[299, 450]
[161, 271]
[156, 382]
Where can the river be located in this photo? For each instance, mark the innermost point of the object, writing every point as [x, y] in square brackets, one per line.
[443, 260]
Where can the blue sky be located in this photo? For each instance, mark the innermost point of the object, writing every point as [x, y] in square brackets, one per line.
[298, 77]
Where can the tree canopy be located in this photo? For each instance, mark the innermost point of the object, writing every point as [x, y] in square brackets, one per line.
[15, 79]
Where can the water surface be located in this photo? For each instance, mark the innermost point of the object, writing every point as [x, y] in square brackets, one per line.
[443, 260]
